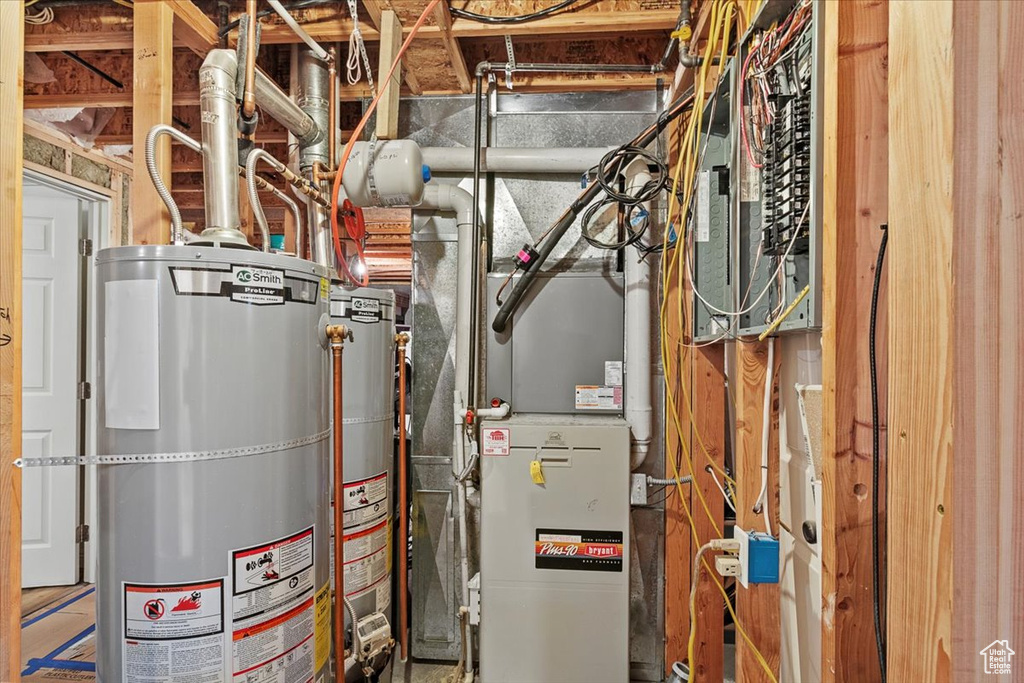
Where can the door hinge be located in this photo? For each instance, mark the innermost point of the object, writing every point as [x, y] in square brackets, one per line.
[85, 246]
[84, 391]
[82, 533]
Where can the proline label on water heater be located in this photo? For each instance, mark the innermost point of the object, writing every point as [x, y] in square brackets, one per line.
[257, 285]
[273, 610]
[174, 631]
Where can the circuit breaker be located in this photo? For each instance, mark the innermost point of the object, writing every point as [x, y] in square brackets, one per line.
[554, 553]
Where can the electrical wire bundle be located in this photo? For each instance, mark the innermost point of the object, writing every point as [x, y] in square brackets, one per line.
[633, 218]
[531, 258]
[520, 19]
[770, 69]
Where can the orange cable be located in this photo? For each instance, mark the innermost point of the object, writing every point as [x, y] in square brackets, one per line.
[365, 280]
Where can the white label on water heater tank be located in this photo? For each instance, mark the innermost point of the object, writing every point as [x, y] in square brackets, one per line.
[366, 501]
[174, 632]
[273, 610]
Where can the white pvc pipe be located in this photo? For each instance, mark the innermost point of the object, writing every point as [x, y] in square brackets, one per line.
[637, 378]
[454, 199]
[762, 497]
[299, 31]
[514, 159]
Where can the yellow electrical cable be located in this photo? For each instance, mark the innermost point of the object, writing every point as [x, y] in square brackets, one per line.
[689, 154]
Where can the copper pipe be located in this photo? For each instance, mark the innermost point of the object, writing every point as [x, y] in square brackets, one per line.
[249, 92]
[332, 109]
[402, 339]
[337, 334]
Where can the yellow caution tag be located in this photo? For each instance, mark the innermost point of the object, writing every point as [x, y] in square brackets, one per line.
[322, 626]
[325, 289]
[536, 473]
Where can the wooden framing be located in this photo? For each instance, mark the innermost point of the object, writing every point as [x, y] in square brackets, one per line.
[153, 84]
[921, 223]
[443, 17]
[988, 428]
[11, 113]
[757, 606]
[192, 28]
[707, 393]
[335, 29]
[390, 44]
[856, 204]
[375, 10]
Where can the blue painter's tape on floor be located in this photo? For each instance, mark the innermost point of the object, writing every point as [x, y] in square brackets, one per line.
[58, 608]
[35, 665]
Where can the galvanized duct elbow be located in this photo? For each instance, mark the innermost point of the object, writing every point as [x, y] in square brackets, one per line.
[314, 84]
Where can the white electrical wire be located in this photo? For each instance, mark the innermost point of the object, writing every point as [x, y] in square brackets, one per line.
[44, 16]
[762, 498]
[770, 282]
[728, 498]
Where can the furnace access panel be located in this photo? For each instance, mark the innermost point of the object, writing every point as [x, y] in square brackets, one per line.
[554, 553]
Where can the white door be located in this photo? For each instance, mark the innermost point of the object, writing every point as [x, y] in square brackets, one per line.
[50, 343]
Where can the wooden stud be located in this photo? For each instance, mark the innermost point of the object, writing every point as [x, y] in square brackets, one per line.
[151, 104]
[12, 59]
[856, 204]
[707, 392]
[921, 222]
[192, 28]
[391, 43]
[443, 17]
[375, 9]
[988, 428]
[679, 547]
[757, 606]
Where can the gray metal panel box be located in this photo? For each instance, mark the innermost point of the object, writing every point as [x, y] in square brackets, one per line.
[564, 332]
[554, 557]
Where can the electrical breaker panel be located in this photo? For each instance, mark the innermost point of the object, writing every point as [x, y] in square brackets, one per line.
[765, 270]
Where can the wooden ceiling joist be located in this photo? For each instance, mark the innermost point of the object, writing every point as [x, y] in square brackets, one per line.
[443, 17]
[376, 10]
[192, 28]
[336, 27]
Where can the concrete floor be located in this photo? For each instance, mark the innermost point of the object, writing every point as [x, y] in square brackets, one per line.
[423, 672]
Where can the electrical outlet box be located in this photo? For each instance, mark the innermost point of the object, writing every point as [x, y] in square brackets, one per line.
[727, 565]
[759, 557]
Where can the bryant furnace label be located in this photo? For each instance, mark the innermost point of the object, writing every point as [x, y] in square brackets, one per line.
[573, 549]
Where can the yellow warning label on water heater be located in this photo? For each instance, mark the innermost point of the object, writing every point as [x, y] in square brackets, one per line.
[322, 625]
[325, 289]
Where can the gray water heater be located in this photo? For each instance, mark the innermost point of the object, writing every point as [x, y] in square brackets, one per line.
[213, 532]
[369, 414]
